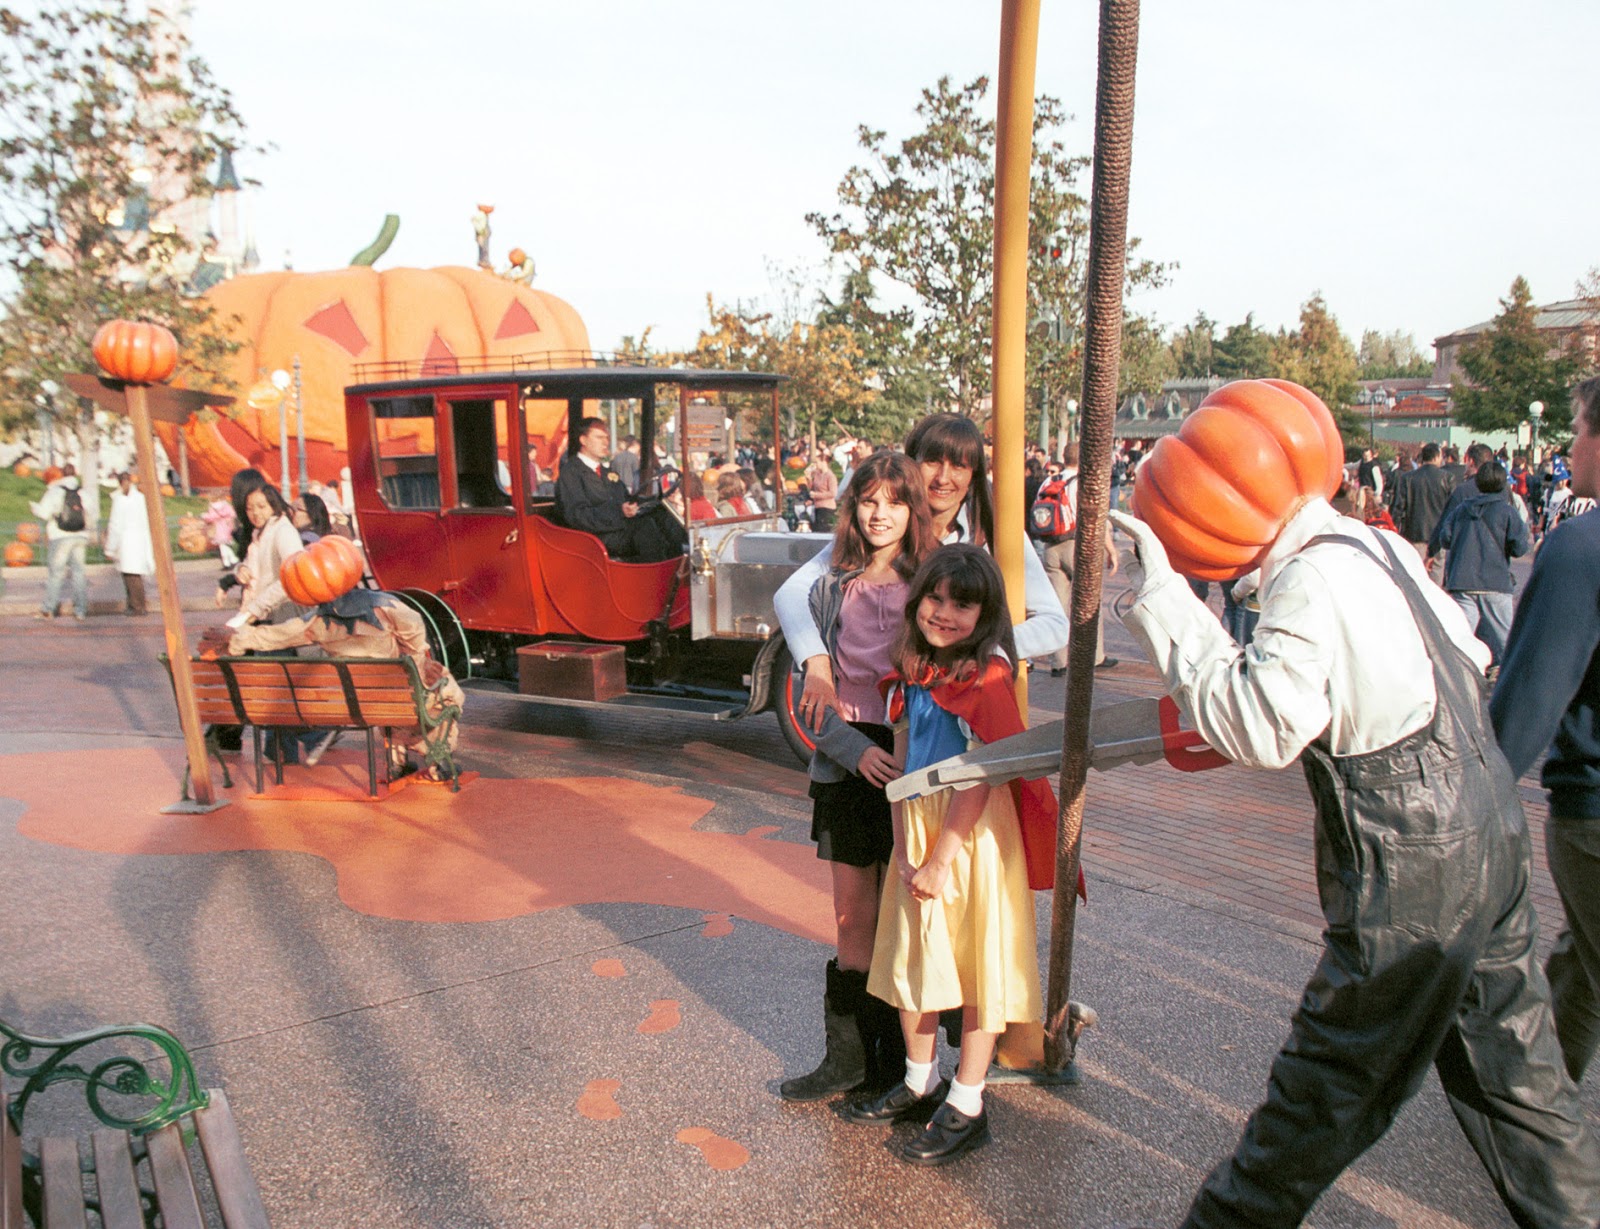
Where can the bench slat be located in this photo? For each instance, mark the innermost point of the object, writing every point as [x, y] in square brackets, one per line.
[63, 1185]
[169, 1166]
[113, 1175]
[237, 1193]
[10, 1171]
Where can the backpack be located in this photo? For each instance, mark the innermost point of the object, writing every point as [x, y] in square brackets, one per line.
[1055, 511]
[71, 519]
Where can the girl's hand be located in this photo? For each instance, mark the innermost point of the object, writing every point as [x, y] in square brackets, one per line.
[905, 870]
[819, 694]
[878, 766]
[929, 880]
[243, 573]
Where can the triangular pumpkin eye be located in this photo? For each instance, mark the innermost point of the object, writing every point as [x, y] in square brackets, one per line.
[517, 321]
[440, 358]
[337, 324]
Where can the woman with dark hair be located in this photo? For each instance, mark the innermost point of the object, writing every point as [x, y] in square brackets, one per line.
[273, 539]
[948, 449]
[311, 519]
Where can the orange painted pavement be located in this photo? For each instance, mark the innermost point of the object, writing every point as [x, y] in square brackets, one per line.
[500, 849]
[608, 967]
[663, 1018]
[599, 1101]
[719, 1152]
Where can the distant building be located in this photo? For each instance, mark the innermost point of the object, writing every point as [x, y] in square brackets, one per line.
[1563, 323]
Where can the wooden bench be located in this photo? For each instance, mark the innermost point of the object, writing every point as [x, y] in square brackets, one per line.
[180, 1159]
[372, 694]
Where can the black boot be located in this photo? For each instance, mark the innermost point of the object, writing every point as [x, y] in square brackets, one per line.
[844, 1065]
[886, 1044]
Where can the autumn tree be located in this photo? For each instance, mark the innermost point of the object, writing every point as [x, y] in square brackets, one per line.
[1509, 366]
[921, 214]
[1318, 356]
[1147, 361]
[103, 129]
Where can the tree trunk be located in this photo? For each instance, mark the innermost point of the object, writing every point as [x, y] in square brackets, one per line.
[89, 467]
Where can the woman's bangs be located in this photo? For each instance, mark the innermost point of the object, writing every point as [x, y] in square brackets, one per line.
[956, 441]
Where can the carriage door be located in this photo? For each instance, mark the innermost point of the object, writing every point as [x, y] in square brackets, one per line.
[488, 565]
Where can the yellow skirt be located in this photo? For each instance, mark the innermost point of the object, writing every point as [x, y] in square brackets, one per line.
[976, 945]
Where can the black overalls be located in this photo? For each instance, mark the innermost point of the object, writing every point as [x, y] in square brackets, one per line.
[1423, 868]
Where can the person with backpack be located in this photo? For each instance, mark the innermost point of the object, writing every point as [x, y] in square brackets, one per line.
[66, 529]
[1053, 524]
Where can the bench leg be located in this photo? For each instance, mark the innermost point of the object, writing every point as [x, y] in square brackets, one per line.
[372, 767]
[256, 731]
[277, 751]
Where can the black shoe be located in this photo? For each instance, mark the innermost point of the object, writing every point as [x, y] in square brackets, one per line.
[1107, 664]
[950, 1134]
[1057, 672]
[899, 1104]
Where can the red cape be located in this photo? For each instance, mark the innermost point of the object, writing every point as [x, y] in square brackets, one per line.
[987, 702]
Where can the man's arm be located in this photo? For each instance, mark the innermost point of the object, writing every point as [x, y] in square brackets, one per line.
[1553, 638]
[583, 500]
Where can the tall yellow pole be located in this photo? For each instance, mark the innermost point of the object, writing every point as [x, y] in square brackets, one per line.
[1021, 1046]
[1019, 42]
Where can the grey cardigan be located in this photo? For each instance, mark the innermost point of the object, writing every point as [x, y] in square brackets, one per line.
[839, 744]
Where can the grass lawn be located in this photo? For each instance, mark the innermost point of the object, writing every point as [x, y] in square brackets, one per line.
[16, 493]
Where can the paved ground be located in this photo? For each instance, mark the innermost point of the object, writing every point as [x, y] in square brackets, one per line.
[600, 1044]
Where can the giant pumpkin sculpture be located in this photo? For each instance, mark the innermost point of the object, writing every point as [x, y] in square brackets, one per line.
[337, 319]
[1219, 491]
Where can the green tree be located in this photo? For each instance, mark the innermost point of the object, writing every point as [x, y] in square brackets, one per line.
[1244, 352]
[1147, 361]
[1391, 356]
[891, 361]
[105, 130]
[1511, 365]
[1317, 355]
[922, 215]
[1194, 348]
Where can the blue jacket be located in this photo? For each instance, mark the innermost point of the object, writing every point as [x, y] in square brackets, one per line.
[1548, 694]
[1483, 535]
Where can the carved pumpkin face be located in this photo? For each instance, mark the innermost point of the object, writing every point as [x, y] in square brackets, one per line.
[337, 319]
[1218, 492]
[327, 569]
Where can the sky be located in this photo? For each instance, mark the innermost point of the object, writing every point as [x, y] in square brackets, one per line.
[1407, 158]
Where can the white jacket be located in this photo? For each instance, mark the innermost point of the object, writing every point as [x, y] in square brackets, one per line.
[1336, 649]
[128, 534]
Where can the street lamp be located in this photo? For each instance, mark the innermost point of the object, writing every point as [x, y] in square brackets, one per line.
[1535, 413]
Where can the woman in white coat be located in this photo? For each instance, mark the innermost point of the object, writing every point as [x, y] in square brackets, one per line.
[128, 542]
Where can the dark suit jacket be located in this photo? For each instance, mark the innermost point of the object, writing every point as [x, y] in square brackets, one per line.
[1419, 499]
[590, 501]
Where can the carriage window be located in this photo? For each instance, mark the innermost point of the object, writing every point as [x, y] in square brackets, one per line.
[483, 472]
[408, 462]
[545, 425]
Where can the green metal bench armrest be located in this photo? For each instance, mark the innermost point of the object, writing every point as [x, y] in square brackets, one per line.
[42, 1061]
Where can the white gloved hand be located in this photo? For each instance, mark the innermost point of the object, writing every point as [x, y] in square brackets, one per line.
[1246, 585]
[1152, 555]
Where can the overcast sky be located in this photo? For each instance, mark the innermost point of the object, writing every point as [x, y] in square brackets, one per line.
[1406, 158]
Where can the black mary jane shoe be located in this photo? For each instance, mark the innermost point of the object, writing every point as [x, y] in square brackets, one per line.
[950, 1134]
[899, 1104]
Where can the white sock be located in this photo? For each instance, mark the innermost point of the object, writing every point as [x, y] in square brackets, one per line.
[968, 1098]
[921, 1077]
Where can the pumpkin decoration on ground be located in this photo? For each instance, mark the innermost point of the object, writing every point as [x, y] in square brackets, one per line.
[327, 569]
[52, 473]
[22, 469]
[336, 319]
[1218, 492]
[135, 351]
[18, 554]
[794, 462]
[28, 532]
[192, 537]
[168, 490]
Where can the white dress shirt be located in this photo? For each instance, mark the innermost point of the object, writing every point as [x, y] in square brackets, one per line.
[1336, 649]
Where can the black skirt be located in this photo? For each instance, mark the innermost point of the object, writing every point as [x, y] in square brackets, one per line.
[850, 818]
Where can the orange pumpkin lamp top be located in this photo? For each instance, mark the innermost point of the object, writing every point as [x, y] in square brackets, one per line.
[326, 570]
[1218, 492]
[135, 351]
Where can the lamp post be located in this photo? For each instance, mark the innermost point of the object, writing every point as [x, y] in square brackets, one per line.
[299, 425]
[1535, 413]
[280, 381]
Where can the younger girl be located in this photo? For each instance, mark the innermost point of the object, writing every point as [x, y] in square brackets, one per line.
[273, 539]
[956, 924]
[859, 604]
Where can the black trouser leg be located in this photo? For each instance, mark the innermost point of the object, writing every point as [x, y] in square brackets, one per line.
[1502, 1069]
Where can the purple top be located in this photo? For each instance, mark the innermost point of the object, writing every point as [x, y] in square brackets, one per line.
[869, 621]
